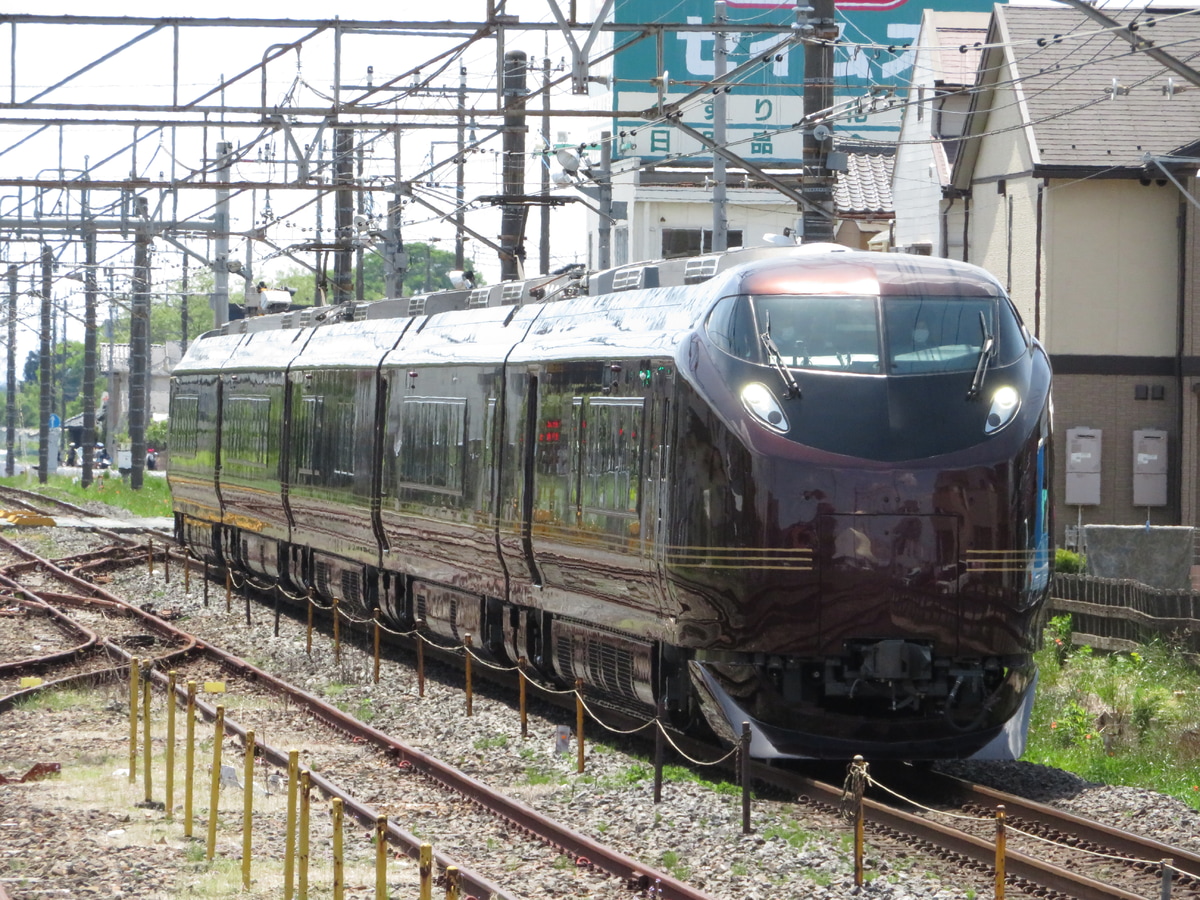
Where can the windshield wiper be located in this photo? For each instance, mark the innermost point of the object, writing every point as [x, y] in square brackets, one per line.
[985, 357]
[776, 358]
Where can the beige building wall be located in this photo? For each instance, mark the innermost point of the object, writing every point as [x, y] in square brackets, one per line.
[1189, 489]
[1002, 234]
[1113, 282]
[1107, 403]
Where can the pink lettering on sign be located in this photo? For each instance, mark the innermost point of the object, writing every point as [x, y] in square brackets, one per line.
[840, 4]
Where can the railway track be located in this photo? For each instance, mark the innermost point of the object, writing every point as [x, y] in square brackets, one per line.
[176, 649]
[1066, 857]
[1048, 851]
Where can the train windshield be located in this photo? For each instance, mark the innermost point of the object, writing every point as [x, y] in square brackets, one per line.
[908, 336]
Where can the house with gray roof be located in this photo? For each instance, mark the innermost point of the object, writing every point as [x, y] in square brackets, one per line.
[1074, 183]
[935, 112]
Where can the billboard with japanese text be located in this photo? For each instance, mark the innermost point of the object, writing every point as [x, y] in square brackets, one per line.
[872, 64]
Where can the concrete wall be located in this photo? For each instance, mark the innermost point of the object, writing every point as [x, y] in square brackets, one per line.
[1158, 557]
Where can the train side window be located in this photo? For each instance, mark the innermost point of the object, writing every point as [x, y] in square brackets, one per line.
[731, 327]
[432, 433]
[247, 425]
[610, 448]
[185, 418]
[344, 436]
[308, 414]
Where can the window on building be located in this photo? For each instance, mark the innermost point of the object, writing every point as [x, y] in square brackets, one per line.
[677, 242]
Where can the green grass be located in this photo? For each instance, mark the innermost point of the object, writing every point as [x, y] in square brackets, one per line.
[65, 698]
[789, 831]
[1117, 718]
[673, 864]
[495, 742]
[153, 499]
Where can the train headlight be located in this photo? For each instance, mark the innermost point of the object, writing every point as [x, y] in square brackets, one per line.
[1005, 403]
[762, 404]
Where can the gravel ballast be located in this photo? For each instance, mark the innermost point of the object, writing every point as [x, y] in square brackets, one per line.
[695, 832]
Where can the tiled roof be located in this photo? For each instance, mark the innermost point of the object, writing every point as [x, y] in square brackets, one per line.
[1066, 65]
[865, 188]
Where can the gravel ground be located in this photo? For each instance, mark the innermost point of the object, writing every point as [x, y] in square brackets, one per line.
[695, 832]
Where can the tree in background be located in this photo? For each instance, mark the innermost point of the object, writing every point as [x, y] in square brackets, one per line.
[428, 270]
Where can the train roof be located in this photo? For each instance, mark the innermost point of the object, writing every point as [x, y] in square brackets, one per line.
[549, 318]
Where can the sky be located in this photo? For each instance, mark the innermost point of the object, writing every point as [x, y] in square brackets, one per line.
[45, 55]
[142, 74]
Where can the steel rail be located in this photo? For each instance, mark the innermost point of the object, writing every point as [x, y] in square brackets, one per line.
[583, 848]
[411, 844]
[33, 663]
[1121, 842]
[1018, 866]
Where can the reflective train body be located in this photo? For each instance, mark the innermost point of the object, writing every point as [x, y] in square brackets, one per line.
[805, 489]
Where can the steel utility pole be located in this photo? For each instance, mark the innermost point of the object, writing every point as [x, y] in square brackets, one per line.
[544, 248]
[220, 294]
[460, 162]
[818, 138]
[720, 229]
[45, 363]
[89, 351]
[10, 436]
[604, 182]
[139, 344]
[512, 214]
[343, 215]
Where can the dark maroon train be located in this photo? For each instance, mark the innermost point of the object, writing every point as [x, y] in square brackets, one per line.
[805, 488]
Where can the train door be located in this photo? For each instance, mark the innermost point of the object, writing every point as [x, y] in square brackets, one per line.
[516, 436]
[656, 512]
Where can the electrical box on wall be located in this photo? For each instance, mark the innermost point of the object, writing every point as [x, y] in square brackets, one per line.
[1083, 466]
[1150, 467]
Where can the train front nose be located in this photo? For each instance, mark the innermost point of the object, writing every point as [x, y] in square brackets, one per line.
[889, 577]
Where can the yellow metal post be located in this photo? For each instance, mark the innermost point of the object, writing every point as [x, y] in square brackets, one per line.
[302, 849]
[381, 851]
[467, 651]
[453, 890]
[521, 691]
[146, 745]
[308, 645]
[1001, 851]
[134, 683]
[214, 794]
[420, 666]
[337, 634]
[861, 765]
[376, 617]
[289, 855]
[189, 759]
[426, 872]
[247, 807]
[579, 722]
[170, 801]
[339, 874]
